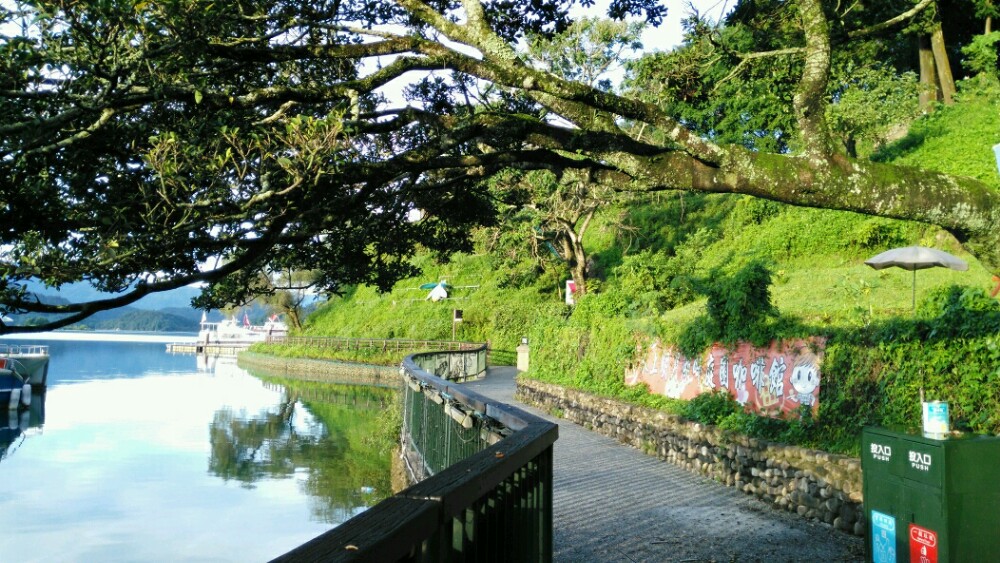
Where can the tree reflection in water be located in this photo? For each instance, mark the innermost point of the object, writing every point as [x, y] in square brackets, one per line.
[337, 439]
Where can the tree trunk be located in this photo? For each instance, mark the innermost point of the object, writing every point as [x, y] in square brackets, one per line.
[851, 146]
[928, 74]
[293, 318]
[810, 96]
[576, 259]
[579, 267]
[945, 78]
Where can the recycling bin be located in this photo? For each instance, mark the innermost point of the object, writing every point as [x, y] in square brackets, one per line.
[930, 500]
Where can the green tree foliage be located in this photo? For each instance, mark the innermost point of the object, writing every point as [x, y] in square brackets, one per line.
[563, 205]
[589, 51]
[871, 102]
[981, 54]
[739, 308]
[718, 90]
[145, 146]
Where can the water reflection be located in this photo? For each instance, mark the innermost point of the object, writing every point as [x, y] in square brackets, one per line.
[333, 439]
[76, 361]
[16, 427]
[111, 466]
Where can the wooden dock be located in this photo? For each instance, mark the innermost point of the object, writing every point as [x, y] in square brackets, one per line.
[209, 349]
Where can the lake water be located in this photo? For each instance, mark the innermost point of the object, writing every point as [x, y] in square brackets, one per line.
[140, 455]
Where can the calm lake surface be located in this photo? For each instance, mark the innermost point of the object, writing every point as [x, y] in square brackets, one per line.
[139, 455]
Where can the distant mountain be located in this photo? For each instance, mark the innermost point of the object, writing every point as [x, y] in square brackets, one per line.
[168, 311]
[75, 292]
[157, 321]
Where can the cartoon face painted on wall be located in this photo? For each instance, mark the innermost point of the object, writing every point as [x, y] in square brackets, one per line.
[805, 380]
[774, 380]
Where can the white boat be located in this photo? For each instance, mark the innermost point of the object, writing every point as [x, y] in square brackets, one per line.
[29, 361]
[230, 331]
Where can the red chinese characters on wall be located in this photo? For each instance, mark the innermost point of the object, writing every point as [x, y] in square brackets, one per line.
[773, 380]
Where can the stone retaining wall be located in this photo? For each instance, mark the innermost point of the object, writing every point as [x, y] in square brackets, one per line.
[325, 371]
[811, 483]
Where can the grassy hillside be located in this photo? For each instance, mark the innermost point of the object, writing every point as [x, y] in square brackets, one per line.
[653, 258]
[817, 257]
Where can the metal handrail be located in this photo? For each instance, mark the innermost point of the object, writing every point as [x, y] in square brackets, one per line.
[494, 505]
[24, 349]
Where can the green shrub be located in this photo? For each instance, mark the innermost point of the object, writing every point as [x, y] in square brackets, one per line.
[959, 312]
[981, 54]
[875, 376]
[795, 428]
[739, 308]
[711, 408]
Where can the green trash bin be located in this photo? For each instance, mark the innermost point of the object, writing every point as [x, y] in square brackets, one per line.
[931, 500]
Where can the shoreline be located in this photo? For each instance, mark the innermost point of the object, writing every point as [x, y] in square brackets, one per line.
[103, 336]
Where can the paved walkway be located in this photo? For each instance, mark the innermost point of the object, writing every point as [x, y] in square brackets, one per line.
[616, 504]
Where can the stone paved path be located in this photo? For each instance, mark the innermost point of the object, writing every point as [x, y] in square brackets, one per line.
[615, 504]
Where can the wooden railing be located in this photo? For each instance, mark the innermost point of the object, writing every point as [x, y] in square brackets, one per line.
[494, 504]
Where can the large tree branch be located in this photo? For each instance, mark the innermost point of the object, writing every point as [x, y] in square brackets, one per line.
[965, 207]
[575, 101]
[253, 251]
[891, 22]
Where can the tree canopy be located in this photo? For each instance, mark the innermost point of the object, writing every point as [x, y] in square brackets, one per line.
[151, 145]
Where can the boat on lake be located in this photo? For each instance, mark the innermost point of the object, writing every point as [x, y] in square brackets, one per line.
[30, 361]
[231, 331]
[15, 392]
[22, 369]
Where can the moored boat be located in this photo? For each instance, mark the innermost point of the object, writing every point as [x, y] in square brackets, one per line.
[21, 368]
[29, 361]
[231, 331]
[15, 392]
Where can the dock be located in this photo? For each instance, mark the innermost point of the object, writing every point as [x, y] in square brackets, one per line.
[210, 349]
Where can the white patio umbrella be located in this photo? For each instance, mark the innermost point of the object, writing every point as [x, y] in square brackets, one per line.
[915, 258]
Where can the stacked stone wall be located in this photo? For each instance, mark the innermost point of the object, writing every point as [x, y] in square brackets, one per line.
[810, 483]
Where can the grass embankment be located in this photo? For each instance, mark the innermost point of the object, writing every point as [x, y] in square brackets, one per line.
[654, 258]
[375, 356]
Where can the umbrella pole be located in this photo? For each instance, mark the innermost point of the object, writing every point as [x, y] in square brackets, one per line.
[914, 298]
